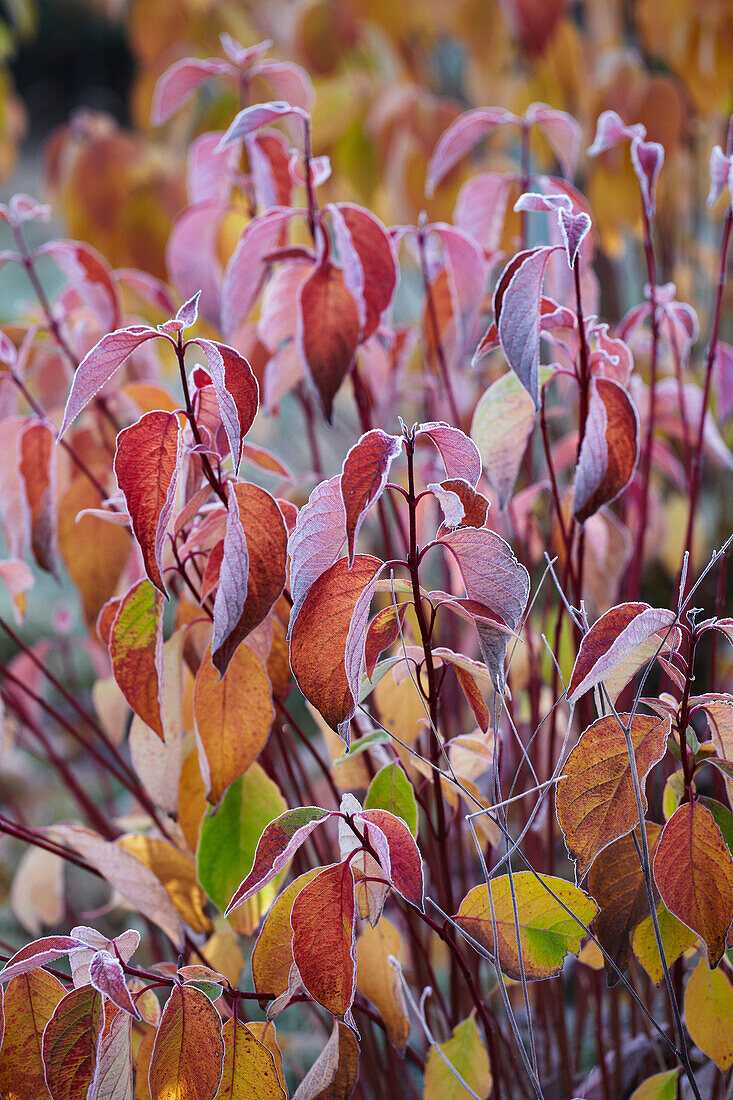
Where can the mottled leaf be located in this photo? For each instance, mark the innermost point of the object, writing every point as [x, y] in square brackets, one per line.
[136, 649]
[322, 920]
[70, 1043]
[249, 1071]
[29, 1003]
[189, 1050]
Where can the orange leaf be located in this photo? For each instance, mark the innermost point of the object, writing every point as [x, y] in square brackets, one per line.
[136, 649]
[70, 1043]
[30, 1001]
[94, 551]
[146, 464]
[595, 800]
[38, 469]
[693, 870]
[189, 1050]
[323, 937]
[233, 718]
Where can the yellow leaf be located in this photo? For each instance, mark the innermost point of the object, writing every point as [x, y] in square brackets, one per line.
[176, 873]
[191, 799]
[662, 1086]
[466, 1054]
[709, 1013]
[676, 938]
[379, 982]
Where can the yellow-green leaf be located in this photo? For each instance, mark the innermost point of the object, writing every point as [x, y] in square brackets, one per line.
[662, 1086]
[467, 1055]
[709, 1013]
[676, 939]
[249, 1071]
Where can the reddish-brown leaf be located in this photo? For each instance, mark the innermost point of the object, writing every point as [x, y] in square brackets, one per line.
[595, 800]
[323, 937]
[398, 852]
[462, 505]
[334, 1074]
[38, 471]
[328, 330]
[327, 639]
[30, 1001]
[146, 464]
[189, 1051]
[237, 392]
[693, 870]
[364, 476]
[136, 649]
[374, 272]
[70, 1043]
[609, 451]
[272, 955]
[384, 630]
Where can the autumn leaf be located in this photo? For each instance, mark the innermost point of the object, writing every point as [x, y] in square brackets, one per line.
[676, 939]
[322, 920]
[70, 1043]
[660, 1086]
[272, 955]
[38, 471]
[502, 424]
[391, 790]
[595, 799]
[176, 872]
[94, 551]
[379, 982]
[459, 454]
[328, 331]
[29, 1003]
[709, 1013]
[113, 1078]
[147, 460]
[547, 931]
[609, 450]
[249, 1071]
[189, 1050]
[336, 1070]
[136, 649]
[466, 1054]
[364, 476]
[693, 870]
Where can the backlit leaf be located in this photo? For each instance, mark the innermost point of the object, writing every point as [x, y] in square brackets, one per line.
[661, 1086]
[693, 870]
[595, 799]
[619, 641]
[709, 1013]
[146, 464]
[609, 450]
[322, 920]
[29, 1003]
[676, 939]
[466, 1053]
[547, 932]
[233, 718]
[189, 1050]
[136, 649]
[70, 1043]
[364, 476]
[249, 1071]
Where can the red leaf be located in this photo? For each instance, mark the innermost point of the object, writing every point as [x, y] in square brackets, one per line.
[693, 870]
[466, 270]
[314, 545]
[327, 639]
[364, 476]
[462, 134]
[98, 366]
[236, 389]
[369, 262]
[70, 1043]
[108, 977]
[276, 847]
[258, 525]
[147, 461]
[256, 116]
[517, 315]
[180, 81]
[459, 453]
[384, 630]
[613, 639]
[90, 275]
[462, 505]
[404, 864]
[37, 954]
[136, 649]
[322, 920]
[328, 330]
[38, 471]
[609, 450]
[268, 161]
[247, 266]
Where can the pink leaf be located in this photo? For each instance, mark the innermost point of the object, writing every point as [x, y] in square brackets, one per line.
[534, 201]
[517, 313]
[723, 380]
[278, 844]
[288, 81]
[364, 476]
[209, 175]
[610, 130]
[237, 391]
[574, 228]
[462, 134]
[260, 114]
[188, 314]
[247, 266]
[108, 977]
[191, 256]
[647, 157]
[609, 450]
[467, 270]
[314, 545]
[481, 208]
[721, 174]
[243, 56]
[563, 133]
[612, 640]
[89, 274]
[180, 81]
[268, 154]
[37, 954]
[459, 453]
[98, 366]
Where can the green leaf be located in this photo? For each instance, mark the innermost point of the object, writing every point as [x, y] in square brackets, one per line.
[662, 1086]
[228, 839]
[391, 790]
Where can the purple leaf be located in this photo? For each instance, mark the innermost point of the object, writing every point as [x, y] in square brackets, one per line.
[462, 134]
[260, 114]
[467, 270]
[610, 130]
[721, 174]
[98, 366]
[574, 228]
[189, 311]
[723, 380]
[108, 978]
[37, 954]
[247, 266]
[316, 542]
[460, 455]
[233, 576]
[180, 81]
[647, 157]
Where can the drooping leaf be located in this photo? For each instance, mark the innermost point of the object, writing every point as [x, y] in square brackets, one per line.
[709, 1013]
[249, 1071]
[136, 649]
[617, 645]
[147, 462]
[108, 978]
[364, 476]
[462, 505]
[391, 790]
[467, 1054]
[562, 132]
[233, 715]
[379, 982]
[189, 1051]
[502, 424]
[617, 884]
[272, 955]
[327, 639]
[322, 920]
[595, 800]
[693, 869]
[98, 366]
[228, 841]
[328, 331]
[336, 1070]
[609, 451]
[314, 545]
[676, 939]
[398, 852]
[547, 932]
[29, 1003]
[460, 455]
[256, 116]
[237, 392]
[70, 1043]
[280, 840]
